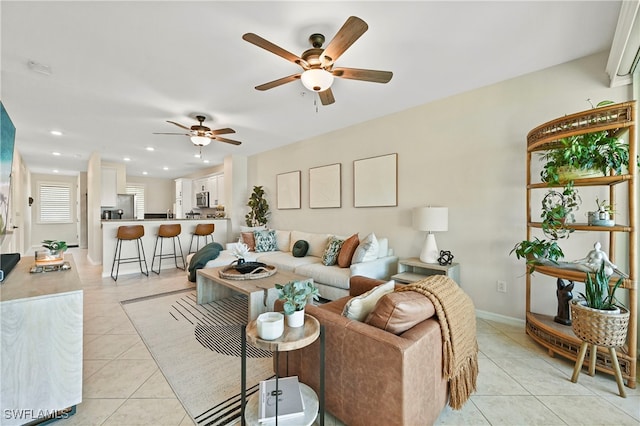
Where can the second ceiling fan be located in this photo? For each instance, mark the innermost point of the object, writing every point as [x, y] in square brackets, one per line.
[318, 63]
[202, 135]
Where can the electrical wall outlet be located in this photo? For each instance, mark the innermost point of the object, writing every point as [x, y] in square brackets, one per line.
[501, 286]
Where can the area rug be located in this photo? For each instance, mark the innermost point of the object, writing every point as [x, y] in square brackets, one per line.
[197, 348]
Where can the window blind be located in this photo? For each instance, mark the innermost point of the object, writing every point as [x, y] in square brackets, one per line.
[137, 189]
[55, 203]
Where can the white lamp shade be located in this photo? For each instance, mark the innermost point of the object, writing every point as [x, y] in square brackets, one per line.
[317, 79]
[200, 140]
[432, 219]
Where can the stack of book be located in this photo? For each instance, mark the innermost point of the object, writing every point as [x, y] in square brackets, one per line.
[289, 397]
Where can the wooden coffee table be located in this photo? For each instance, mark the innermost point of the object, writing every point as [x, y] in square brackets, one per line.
[261, 292]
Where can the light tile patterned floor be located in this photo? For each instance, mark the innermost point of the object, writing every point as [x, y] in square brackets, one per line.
[519, 384]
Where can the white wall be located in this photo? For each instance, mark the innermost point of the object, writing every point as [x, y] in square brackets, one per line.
[94, 188]
[159, 194]
[466, 152]
[40, 231]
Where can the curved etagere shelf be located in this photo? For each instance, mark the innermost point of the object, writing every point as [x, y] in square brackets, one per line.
[579, 276]
[587, 227]
[559, 339]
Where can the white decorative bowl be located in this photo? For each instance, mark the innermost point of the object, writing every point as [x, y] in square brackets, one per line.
[270, 325]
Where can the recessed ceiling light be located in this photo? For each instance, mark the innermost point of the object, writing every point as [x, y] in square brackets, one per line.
[205, 161]
[55, 171]
[150, 148]
[56, 153]
[165, 168]
[145, 173]
[127, 159]
[56, 132]
[196, 155]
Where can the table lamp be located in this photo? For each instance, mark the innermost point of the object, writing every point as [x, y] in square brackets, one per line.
[430, 219]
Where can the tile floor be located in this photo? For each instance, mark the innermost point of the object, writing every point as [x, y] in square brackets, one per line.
[519, 384]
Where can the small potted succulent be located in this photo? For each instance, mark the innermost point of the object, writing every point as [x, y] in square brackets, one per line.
[296, 295]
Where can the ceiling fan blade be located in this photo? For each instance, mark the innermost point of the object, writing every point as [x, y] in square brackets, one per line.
[362, 74]
[267, 45]
[278, 82]
[231, 141]
[178, 124]
[224, 131]
[182, 134]
[326, 97]
[351, 31]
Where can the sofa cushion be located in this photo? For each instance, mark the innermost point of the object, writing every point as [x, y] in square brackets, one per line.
[367, 250]
[300, 248]
[347, 250]
[397, 312]
[283, 240]
[249, 240]
[317, 242]
[265, 240]
[285, 261]
[331, 252]
[332, 276]
[359, 307]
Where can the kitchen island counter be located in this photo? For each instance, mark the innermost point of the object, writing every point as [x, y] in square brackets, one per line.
[151, 226]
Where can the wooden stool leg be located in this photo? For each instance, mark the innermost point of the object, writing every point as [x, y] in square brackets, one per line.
[579, 361]
[616, 368]
[592, 360]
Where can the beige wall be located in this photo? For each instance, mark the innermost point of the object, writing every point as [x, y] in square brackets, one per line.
[466, 152]
[159, 194]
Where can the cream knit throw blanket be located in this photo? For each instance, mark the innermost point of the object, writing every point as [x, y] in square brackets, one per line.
[457, 317]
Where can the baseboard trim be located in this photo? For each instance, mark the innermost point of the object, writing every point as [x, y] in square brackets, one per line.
[500, 318]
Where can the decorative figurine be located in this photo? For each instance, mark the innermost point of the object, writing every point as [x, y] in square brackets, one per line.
[445, 257]
[564, 297]
[592, 261]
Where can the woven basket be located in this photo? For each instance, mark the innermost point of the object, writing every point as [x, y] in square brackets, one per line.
[599, 327]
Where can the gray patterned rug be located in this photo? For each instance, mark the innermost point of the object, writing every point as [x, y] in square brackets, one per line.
[197, 348]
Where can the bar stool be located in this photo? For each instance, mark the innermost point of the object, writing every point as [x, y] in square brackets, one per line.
[202, 230]
[129, 233]
[168, 231]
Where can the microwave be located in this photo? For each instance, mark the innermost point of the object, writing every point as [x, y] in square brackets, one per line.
[202, 199]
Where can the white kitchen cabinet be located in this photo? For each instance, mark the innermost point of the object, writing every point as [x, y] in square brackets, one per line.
[215, 186]
[184, 202]
[109, 187]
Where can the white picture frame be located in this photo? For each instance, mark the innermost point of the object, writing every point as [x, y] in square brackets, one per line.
[288, 190]
[325, 186]
[375, 181]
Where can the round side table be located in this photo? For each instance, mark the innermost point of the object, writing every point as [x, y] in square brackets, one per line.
[291, 339]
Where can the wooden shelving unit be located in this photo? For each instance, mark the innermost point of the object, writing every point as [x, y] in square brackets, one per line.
[559, 339]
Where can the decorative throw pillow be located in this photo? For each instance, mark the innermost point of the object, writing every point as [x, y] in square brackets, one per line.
[265, 240]
[346, 251]
[300, 248]
[367, 250]
[360, 306]
[397, 312]
[330, 256]
[249, 240]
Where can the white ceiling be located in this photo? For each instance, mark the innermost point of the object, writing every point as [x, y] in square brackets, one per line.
[121, 69]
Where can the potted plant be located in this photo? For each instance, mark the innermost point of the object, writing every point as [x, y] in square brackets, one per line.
[54, 255]
[558, 209]
[259, 213]
[296, 295]
[537, 252]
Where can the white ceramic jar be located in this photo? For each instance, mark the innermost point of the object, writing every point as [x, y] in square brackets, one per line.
[270, 325]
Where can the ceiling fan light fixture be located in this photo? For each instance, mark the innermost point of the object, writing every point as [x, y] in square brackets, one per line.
[200, 140]
[317, 79]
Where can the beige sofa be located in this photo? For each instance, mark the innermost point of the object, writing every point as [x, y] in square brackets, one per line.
[386, 370]
[332, 281]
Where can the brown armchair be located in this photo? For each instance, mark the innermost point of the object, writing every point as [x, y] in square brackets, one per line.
[373, 376]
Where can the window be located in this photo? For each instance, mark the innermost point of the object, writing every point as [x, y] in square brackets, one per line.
[55, 202]
[137, 189]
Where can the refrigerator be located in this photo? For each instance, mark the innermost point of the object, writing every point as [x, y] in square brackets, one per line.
[126, 203]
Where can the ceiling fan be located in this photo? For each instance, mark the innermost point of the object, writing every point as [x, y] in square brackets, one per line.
[201, 135]
[318, 63]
